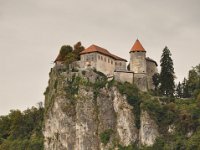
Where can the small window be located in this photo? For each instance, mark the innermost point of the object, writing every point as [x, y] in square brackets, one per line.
[101, 58]
[120, 63]
[111, 62]
[108, 60]
[116, 63]
[105, 59]
[98, 57]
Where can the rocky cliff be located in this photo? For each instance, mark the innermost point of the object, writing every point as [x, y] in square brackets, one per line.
[85, 112]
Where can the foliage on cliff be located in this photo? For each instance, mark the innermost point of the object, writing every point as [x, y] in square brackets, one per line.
[22, 130]
[190, 87]
[70, 54]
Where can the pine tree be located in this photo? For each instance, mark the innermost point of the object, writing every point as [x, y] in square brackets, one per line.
[185, 88]
[156, 80]
[179, 90]
[167, 73]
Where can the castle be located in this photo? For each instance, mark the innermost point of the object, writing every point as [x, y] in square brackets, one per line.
[141, 68]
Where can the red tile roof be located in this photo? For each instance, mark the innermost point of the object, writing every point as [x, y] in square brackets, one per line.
[137, 47]
[94, 48]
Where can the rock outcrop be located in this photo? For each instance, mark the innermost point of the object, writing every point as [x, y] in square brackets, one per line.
[148, 131]
[83, 114]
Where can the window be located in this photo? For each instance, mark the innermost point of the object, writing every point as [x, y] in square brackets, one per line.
[111, 62]
[120, 63]
[101, 58]
[105, 59]
[115, 63]
[108, 60]
[98, 57]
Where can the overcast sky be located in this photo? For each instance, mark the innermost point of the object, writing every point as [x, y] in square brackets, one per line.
[32, 32]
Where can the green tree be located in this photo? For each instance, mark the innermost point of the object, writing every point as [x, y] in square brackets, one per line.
[77, 49]
[156, 80]
[64, 50]
[22, 130]
[185, 88]
[167, 74]
[179, 90]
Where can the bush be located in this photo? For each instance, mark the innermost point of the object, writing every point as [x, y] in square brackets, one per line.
[105, 136]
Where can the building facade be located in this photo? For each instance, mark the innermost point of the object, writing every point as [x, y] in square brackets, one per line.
[141, 70]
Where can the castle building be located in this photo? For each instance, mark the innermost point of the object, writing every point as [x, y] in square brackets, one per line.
[141, 70]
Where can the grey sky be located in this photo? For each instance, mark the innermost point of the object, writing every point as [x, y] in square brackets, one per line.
[32, 32]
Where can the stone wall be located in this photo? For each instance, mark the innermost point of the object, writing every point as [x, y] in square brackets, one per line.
[140, 80]
[120, 65]
[88, 60]
[102, 63]
[138, 62]
[151, 70]
[124, 76]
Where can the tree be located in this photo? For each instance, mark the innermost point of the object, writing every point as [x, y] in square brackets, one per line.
[77, 49]
[156, 80]
[179, 90]
[167, 73]
[64, 50]
[22, 130]
[185, 88]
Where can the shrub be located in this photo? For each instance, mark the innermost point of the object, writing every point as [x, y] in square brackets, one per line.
[105, 136]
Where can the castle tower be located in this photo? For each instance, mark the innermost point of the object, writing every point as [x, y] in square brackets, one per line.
[138, 65]
[138, 58]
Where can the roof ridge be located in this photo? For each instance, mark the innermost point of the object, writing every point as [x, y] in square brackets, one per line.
[95, 48]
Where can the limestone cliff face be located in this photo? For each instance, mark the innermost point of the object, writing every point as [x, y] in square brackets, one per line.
[148, 131]
[80, 116]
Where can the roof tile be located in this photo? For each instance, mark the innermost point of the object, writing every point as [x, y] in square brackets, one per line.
[137, 47]
[95, 48]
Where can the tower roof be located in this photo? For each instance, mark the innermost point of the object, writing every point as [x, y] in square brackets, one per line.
[137, 47]
[95, 48]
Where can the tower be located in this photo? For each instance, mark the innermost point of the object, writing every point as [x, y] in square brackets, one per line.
[138, 65]
[138, 58]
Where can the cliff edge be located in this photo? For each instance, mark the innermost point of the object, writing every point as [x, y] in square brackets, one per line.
[84, 111]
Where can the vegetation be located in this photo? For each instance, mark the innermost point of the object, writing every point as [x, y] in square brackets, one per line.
[133, 97]
[68, 54]
[105, 136]
[167, 74]
[156, 81]
[190, 87]
[22, 130]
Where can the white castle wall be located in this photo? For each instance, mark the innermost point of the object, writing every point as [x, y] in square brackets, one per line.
[124, 76]
[143, 68]
[102, 63]
[138, 62]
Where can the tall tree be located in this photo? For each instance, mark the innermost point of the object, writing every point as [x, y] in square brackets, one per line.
[186, 93]
[77, 49]
[156, 80]
[179, 90]
[167, 73]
